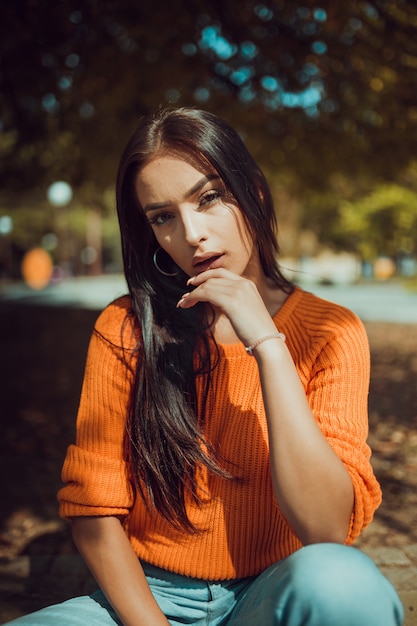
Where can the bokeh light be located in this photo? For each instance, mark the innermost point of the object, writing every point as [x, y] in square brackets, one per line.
[59, 193]
[37, 268]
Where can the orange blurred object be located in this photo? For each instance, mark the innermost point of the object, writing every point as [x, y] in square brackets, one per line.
[384, 268]
[37, 268]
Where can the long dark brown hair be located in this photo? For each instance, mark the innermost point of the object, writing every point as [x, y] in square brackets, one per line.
[165, 428]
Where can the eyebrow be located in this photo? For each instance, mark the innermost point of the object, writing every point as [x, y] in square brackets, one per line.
[153, 206]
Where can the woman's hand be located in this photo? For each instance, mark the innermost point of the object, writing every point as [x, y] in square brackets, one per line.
[236, 297]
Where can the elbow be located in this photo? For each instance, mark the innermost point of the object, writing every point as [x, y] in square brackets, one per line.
[335, 531]
[80, 531]
[331, 537]
[334, 534]
[86, 530]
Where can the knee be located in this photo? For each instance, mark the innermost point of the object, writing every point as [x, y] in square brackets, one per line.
[344, 584]
[332, 567]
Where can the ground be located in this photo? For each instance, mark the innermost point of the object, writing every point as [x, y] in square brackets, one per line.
[393, 432]
[41, 366]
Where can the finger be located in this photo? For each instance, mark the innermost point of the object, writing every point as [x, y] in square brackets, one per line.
[208, 291]
[199, 279]
[187, 301]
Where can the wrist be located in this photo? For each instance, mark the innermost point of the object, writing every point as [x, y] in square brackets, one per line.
[253, 346]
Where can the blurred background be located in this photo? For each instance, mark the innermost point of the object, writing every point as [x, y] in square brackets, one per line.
[325, 96]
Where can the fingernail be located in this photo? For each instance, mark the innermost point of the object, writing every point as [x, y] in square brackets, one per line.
[182, 299]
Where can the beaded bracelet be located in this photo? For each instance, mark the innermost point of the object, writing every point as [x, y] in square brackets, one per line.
[255, 344]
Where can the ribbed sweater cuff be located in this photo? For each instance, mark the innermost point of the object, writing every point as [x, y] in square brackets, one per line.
[96, 485]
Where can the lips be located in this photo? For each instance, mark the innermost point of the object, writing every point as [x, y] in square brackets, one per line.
[208, 263]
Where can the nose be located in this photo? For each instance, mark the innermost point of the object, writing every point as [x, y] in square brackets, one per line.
[194, 226]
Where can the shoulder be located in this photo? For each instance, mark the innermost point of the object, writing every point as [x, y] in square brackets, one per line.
[117, 321]
[325, 312]
[319, 315]
[315, 326]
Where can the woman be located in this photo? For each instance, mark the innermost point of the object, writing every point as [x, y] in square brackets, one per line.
[221, 461]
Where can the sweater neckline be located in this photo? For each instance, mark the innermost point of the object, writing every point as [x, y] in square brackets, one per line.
[280, 319]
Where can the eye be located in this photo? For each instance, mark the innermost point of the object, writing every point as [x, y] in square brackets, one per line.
[159, 219]
[210, 197]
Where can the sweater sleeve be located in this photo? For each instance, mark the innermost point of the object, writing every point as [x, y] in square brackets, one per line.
[95, 469]
[337, 392]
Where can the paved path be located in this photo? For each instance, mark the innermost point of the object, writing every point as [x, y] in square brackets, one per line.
[400, 566]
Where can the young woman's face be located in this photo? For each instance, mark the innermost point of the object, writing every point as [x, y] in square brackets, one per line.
[191, 220]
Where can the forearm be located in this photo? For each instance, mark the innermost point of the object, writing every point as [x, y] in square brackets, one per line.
[107, 552]
[312, 485]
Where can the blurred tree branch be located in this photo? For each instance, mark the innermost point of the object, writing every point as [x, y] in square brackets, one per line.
[317, 90]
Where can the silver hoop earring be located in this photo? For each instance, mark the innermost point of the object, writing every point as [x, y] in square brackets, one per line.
[160, 270]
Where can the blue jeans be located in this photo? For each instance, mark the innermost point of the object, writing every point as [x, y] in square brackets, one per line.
[319, 585]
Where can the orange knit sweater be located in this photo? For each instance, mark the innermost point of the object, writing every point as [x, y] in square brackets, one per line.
[244, 530]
